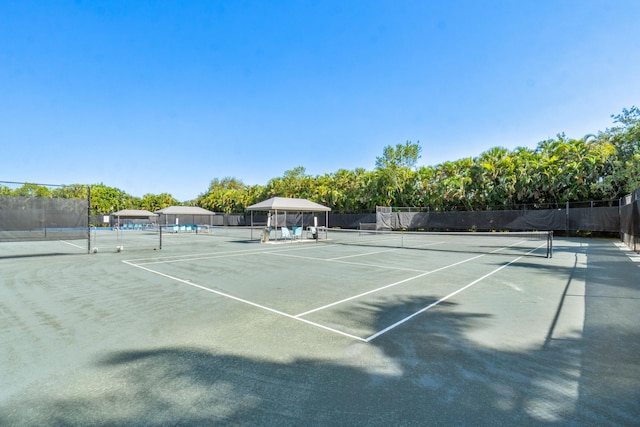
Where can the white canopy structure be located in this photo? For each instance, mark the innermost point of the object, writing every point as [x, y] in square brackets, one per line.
[134, 213]
[286, 204]
[130, 215]
[192, 214]
[184, 210]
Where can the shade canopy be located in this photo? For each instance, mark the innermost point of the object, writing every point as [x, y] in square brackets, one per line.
[184, 210]
[134, 213]
[286, 204]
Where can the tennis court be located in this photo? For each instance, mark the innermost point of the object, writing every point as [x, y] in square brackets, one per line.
[381, 329]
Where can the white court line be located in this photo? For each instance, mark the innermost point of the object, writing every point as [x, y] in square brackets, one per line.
[387, 286]
[364, 254]
[389, 250]
[405, 280]
[380, 266]
[211, 255]
[386, 250]
[69, 243]
[634, 257]
[200, 258]
[386, 267]
[387, 329]
[187, 257]
[222, 294]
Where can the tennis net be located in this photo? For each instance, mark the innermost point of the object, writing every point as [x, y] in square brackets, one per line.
[532, 243]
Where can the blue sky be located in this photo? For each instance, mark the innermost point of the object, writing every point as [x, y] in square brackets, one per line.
[165, 96]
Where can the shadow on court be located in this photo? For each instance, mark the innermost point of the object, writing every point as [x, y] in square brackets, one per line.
[431, 375]
[42, 255]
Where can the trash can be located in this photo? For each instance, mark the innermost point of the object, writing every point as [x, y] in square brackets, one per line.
[265, 235]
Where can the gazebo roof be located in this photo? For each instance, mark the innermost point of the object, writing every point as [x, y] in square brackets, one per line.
[288, 205]
[184, 210]
[134, 213]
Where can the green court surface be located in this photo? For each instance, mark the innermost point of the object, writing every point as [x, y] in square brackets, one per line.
[217, 329]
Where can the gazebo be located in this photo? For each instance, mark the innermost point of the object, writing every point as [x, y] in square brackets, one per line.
[132, 214]
[184, 212]
[275, 205]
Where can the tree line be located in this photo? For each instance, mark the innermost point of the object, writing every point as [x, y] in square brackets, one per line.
[104, 199]
[602, 166]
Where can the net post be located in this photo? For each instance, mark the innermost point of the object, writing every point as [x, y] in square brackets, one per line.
[160, 229]
[550, 244]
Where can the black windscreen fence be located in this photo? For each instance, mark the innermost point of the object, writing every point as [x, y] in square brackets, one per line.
[42, 218]
[604, 219]
[594, 219]
[630, 220]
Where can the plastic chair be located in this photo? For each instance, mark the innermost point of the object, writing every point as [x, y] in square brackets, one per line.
[297, 233]
[285, 233]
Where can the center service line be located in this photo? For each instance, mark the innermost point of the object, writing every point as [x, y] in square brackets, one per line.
[385, 287]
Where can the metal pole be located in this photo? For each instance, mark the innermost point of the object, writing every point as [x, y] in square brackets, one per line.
[326, 225]
[566, 220]
[88, 219]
